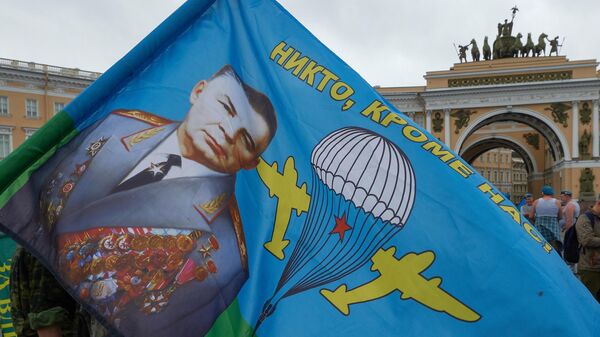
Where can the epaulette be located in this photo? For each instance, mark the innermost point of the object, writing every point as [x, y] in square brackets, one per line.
[143, 116]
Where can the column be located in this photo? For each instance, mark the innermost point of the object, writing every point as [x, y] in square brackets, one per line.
[447, 127]
[428, 120]
[575, 130]
[595, 131]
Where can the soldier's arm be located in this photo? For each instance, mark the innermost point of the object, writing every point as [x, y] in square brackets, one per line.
[19, 303]
[51, 307]
[585, 232]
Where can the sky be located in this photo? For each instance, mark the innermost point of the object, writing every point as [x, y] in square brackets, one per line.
[388, 42]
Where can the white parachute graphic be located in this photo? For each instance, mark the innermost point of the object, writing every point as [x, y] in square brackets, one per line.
[367, 170]
[362, 194]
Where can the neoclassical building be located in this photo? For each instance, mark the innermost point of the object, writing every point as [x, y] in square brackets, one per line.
[544, 108]
[30, 94]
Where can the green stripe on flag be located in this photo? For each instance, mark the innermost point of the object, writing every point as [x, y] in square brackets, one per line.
[16, 169]
[231, 323]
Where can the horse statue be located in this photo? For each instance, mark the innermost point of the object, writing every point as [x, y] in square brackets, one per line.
[474, 51]
[517, 46]
[497, 48]
[528, 47]
[540, 46]
[487, 51]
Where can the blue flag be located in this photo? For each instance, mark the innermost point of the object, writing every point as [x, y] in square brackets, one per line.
[231, 176]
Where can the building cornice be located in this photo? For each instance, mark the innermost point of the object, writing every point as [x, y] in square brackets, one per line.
[512, 94]
[405, 101]
[576, 164]
[34, 91]
[516, 86]
[41, 79]
[497, 95]
[460, 74]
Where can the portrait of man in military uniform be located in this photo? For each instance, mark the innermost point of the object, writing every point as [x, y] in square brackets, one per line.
[143, 212]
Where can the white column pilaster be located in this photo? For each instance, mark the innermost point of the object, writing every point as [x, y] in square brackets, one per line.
[595, 131]
[428, 120]
[575, 130]
[447, 127]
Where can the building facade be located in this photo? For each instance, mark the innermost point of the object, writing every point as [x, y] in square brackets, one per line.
[496, 166]
[544, 108]
[519, 179]
[30, 94]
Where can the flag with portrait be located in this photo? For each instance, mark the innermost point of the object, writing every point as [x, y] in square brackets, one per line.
[231, 176]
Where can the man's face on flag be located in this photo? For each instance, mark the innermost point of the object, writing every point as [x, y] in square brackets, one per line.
[223, 129]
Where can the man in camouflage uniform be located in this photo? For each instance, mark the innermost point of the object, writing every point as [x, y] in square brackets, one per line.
[588, 234]
[41, 307]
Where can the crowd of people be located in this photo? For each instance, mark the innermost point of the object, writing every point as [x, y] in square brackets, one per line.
[563, 223]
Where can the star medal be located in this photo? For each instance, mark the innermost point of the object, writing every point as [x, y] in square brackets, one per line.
[156, 169]
[95, 147]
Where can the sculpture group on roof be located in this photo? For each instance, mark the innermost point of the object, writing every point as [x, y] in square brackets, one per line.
[506, 46]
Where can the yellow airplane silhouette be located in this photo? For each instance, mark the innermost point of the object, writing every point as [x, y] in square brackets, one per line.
[290, 197]
[404, 275]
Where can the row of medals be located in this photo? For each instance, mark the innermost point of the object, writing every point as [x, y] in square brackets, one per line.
[139, 262]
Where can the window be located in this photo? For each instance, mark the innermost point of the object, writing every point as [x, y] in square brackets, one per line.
[31, 108]
[58, 107]
[495, 176]
[3, 106]
[5, 141]
[29, 132]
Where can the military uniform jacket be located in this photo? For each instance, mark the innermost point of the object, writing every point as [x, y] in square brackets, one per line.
[169, 250]
[588, 235]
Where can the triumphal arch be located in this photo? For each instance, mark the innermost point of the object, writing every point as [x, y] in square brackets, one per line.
[518, 95]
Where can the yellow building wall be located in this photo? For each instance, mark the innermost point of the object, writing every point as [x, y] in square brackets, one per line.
[17, 118]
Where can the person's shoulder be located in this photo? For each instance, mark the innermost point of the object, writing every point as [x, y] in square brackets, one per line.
[142, 116]
[585, 217]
